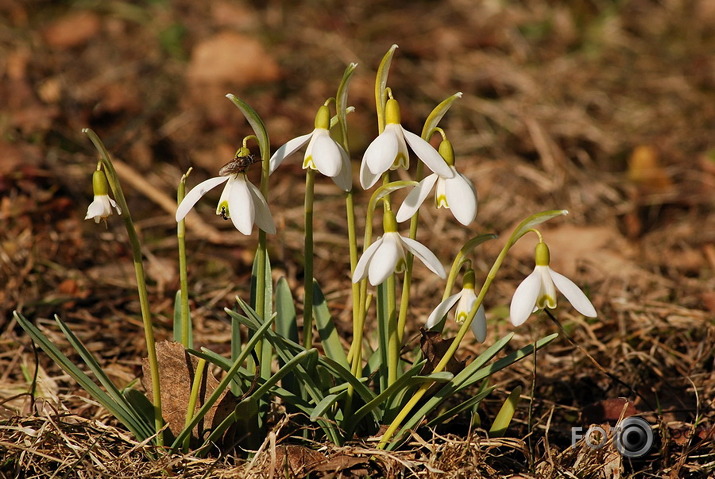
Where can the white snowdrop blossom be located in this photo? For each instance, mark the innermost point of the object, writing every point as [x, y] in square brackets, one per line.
[240, 201]
[322, 153]
[387, 255]
[101, 207]
[538, 291]
[464, 300]
[389, 150]
[456, 193]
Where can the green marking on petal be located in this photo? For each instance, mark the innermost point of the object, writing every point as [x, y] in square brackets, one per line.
[222, 210]
[401, 161]
[546, 301]
[441, 201]
[309, 163]
[400, 266]
[461, 317]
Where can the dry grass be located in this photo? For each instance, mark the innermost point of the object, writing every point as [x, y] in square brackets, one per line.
[603, 108]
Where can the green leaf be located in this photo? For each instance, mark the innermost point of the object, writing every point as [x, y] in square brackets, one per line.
[532, 221]
[458, 409]
[325, 404]
[286, 319]
[383, 71]
[259, 128]
[506, 412]
[178, 322]
[223, 384]
[133, 421]
[387, 189]
[436, 115]
[474, 372]
[341, 102]
[326, 328]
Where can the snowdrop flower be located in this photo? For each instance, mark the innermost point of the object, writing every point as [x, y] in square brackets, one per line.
[464, 300]
[102, 205]
[323, 153]
[538, 290]
[389, 150]
[387, 255]
[456, 193]
[240, 201]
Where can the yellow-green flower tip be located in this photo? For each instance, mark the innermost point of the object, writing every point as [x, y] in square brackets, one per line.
[100, 186]
[468, 279]
[447, 152]
[389, 222]
[542, 257]
[392, 111]
[243, 151]
[322, 118]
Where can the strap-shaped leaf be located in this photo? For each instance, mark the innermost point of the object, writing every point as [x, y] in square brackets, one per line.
[135, 423]
[259, 128]
[325, 404]
[222, 385]
[326, 328]
[436, 115]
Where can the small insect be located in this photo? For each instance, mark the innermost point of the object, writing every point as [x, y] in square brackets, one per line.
[238, 165]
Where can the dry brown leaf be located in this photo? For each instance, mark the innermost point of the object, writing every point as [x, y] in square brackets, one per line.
[433, 349]
[231, 58]
[176, 372]
[72, 30]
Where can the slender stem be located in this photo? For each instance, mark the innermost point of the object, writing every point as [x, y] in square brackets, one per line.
[409, 261]
[308, 258]
[193, 398]
[394, 338]
[113, 179]
[452, 348]
[186, 338]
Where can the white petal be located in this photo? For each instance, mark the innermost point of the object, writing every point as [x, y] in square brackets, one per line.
[195, 194]
[263, 219]
[325, 153]
[381, 153]
[344, 179]
[547, 293]
[524, 299]
[428, 155]
[479, 325]
[99, 208]
[425, 255]
[414, 200]
[367, 177]
[461, 198]
[240, 205]
[441, 310]
[385, 260]
[288, 149]
[361, 267]
[574, 294]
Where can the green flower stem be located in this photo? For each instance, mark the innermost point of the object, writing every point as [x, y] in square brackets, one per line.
[113, 179]
[409, 261]
[183, 275]
[452, 349]
[193, 398]
[394, 339]
[308, 257]
[523, 228]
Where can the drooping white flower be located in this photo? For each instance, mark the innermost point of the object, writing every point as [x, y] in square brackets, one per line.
[240, 201]
[456, 193]
[101, 207]
[464, 300]
[322, 153]
[538, 291]
[387, 255]
[389, 150]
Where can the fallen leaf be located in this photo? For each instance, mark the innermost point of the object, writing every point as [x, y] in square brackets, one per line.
[72, 30]
[434, 348]
[176, 374]
[231, 58]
